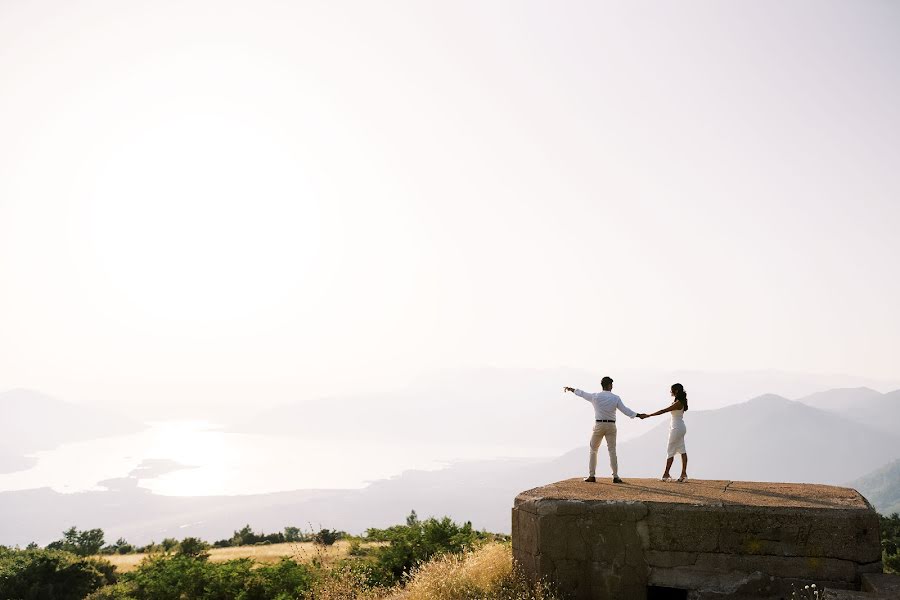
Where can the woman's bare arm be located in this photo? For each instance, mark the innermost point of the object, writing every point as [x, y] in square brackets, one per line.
[675, 406]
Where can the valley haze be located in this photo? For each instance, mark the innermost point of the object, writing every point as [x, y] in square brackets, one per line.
[823, 436]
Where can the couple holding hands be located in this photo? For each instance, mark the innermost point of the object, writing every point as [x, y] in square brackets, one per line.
[605, 405]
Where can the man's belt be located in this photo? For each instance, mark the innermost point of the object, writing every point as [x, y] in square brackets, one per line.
[606, 420]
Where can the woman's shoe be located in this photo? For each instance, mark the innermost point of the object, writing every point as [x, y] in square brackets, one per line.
[682, 479]
[665, 478]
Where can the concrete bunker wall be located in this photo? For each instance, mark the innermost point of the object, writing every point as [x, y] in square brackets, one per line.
[620, 541]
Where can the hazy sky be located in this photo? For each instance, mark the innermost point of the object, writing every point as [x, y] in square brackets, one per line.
[222, 201]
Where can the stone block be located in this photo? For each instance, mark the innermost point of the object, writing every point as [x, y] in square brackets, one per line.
[886, 584]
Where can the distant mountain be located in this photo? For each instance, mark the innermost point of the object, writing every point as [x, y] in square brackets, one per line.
[479, 405]
[32, 421]
[881, 488]
[862, 405]
[768, 438]
[840, 399]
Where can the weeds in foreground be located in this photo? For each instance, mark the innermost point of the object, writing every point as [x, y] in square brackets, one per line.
[347, 583]
[808, 592]
[485, 573]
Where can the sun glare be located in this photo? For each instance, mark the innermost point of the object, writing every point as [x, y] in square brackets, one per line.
[202, 218]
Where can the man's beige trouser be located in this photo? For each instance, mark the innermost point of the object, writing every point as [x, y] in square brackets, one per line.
[608, 431]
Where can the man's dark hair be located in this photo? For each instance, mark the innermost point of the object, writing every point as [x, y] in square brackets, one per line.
[606, 382]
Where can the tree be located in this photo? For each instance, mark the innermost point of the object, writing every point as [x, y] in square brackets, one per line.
[119, 547]
[327, 537]
[82, 543]
[292, 534]
[191, 546]
[243, 537]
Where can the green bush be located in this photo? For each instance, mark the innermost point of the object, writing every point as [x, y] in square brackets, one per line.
[247, 537]
[82, 543]
[327, 537]
[182, 576]
[890, 542]
[36, 574]
[120, 547]
[417, 542]
[191, 546]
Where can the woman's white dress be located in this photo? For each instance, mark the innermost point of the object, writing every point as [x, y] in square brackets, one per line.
[676, 434]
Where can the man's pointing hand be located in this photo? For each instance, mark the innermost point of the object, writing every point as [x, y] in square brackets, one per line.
[568, 389]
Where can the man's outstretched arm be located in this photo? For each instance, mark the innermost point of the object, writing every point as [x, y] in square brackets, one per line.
[582, 394]
[627, 411]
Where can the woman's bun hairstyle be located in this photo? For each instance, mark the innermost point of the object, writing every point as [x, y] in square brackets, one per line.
[680, 394]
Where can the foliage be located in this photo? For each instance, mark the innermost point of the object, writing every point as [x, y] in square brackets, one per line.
[293, 534]
[182, 570]
[882, 488]
[35, 574]
[356, 548]
[120, 547]
[487, 572]
[82, 543]
[178, 576]
[350, 580]
[191, 546]
[327, 537]
[417, 542]
[247, 537]
[890, 542]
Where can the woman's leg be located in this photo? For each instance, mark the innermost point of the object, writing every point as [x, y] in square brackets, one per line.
[668, 466]
[683, 465]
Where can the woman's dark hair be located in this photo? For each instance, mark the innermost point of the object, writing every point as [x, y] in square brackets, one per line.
[680, 394]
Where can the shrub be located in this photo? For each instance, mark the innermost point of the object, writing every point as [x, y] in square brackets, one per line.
[163, 577]
[356, 549]
[327, 537]
[82, 543]
[890, 542]
[37, 574]
[120, 547]
[247, 537]
[191, 546]
[118, 591]
[418, 541]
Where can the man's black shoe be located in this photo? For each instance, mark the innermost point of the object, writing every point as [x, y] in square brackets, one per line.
[590, 479]
[617, 480]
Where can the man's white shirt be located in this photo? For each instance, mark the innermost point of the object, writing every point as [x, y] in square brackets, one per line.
[605, 405]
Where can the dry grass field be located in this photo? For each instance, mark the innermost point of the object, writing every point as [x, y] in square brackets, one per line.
[267, 553]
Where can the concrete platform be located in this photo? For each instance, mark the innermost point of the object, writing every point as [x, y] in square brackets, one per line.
[698, 540]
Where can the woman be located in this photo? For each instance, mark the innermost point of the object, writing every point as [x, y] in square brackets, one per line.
[676, 433]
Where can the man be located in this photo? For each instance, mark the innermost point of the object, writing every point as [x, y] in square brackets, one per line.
[605, 405]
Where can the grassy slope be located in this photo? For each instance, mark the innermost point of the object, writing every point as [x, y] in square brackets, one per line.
[264, 553]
